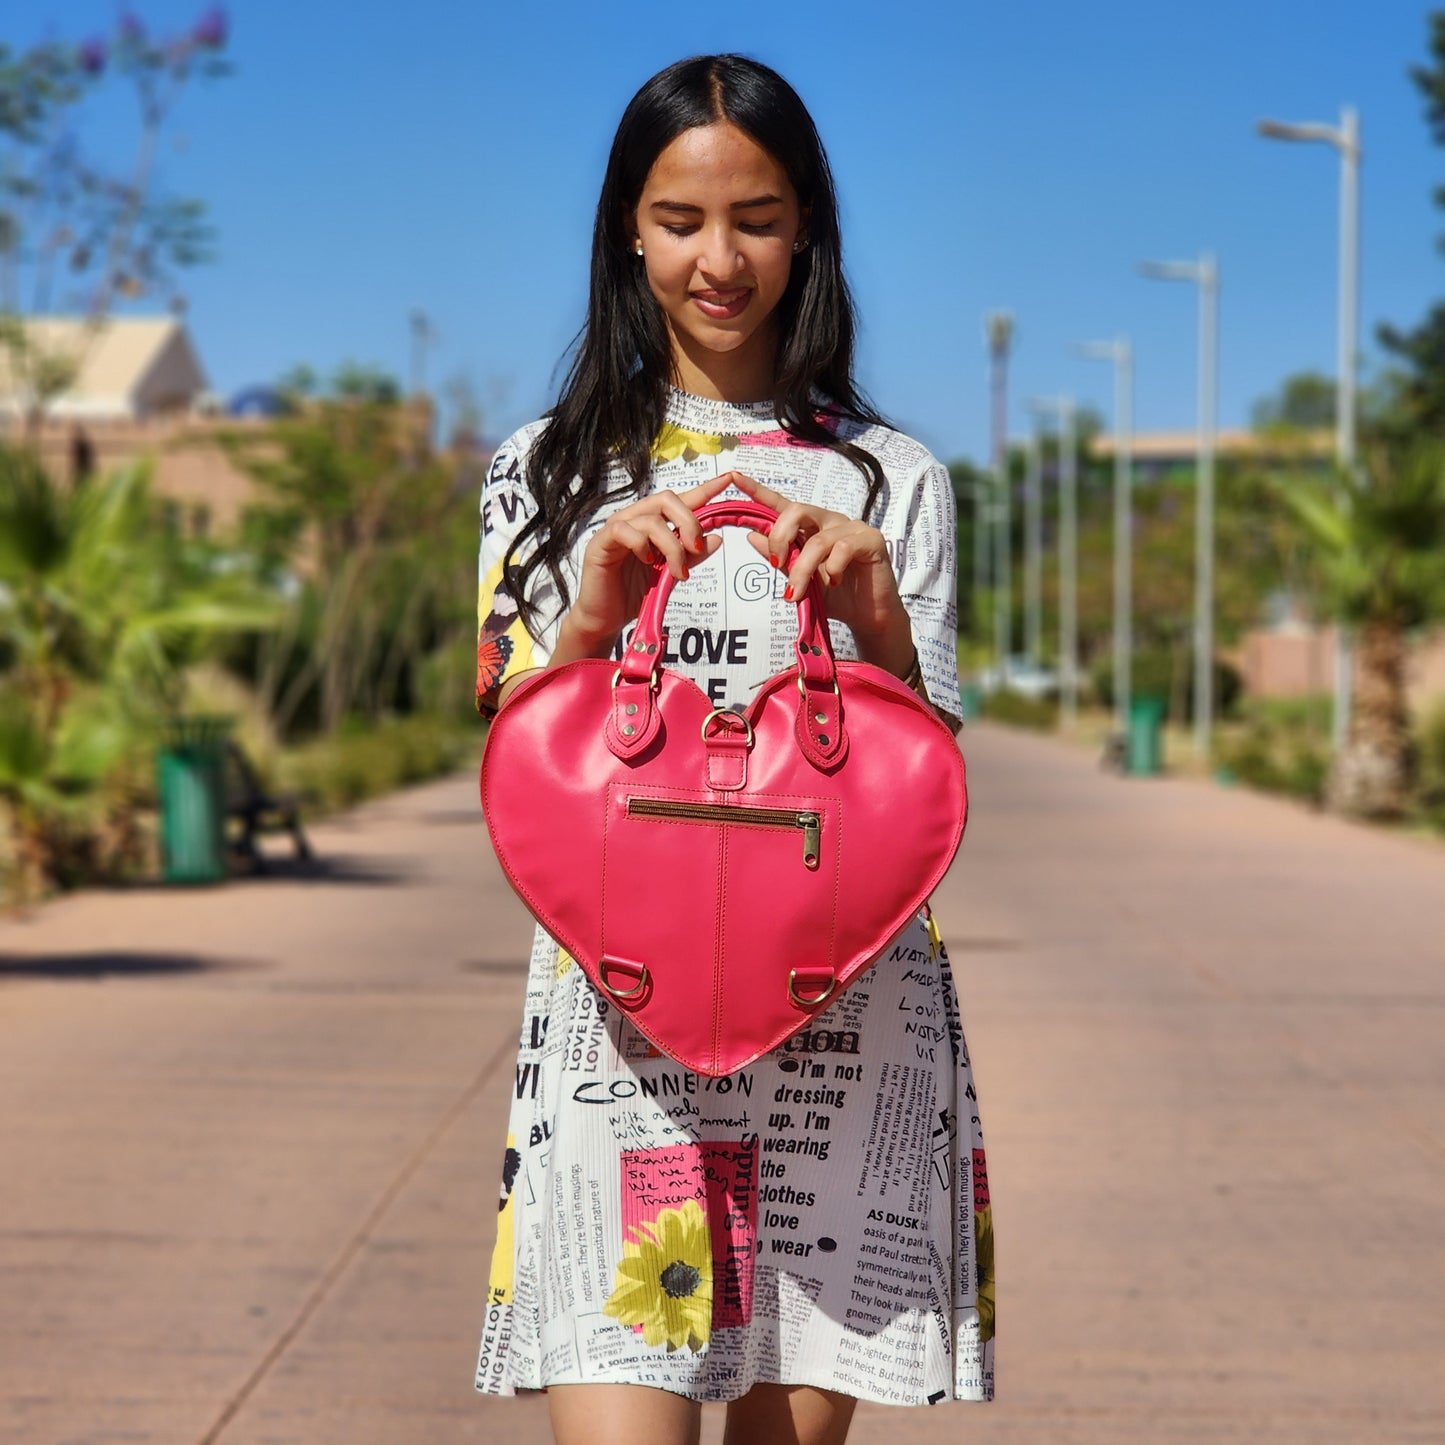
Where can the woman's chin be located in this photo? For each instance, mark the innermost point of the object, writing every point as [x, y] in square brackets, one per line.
[719, 338]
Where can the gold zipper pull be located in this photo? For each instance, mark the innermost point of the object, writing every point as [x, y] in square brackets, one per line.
[812, 837]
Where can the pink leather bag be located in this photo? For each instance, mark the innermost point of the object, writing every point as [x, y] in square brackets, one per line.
[719, 875]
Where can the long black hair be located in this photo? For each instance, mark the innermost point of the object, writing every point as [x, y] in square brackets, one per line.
[614, 397]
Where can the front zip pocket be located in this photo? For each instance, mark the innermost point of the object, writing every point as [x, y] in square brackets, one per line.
[807, 823]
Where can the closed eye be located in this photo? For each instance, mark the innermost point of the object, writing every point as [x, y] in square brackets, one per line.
[762, 230]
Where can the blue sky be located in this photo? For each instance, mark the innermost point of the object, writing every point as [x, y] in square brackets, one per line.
[369, 159]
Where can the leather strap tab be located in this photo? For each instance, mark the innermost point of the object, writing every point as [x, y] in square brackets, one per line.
[643, 656]
[819, 731]
[727, 761]
[633, 719]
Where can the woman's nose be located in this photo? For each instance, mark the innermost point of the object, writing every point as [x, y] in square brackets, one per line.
[720, 258]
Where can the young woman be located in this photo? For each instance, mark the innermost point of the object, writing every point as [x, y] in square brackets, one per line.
[814, 1229]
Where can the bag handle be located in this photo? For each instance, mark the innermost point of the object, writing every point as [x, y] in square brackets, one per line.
[815, 659]
[634, 719]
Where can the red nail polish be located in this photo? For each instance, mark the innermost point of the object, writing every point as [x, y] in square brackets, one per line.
[772, 559]
[788, 593]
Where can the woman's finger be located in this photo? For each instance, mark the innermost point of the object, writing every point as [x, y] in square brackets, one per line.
[704, 492]
[796, 524]
[751, 487]
[837, 561]
[667, 544]
[683, 519]
[800, 574]
[620, 535]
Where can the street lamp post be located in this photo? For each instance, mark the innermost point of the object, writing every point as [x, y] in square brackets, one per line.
[1033, 550]
[1068, 559]
[980, 502]
[1121, 353]
[999, 329]
[1346, 140]
[1204, 273]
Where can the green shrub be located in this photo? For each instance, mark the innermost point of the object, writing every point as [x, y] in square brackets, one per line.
[1016, 710]
[1430, 750]
[1152, 672]
[1310, 714]
[362, 763]
[1278, 750]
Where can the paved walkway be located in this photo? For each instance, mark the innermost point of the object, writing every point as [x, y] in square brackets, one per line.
[249, 1136]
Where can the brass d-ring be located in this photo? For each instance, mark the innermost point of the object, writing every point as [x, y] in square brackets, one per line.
[624, 993]
[653, 678]
[729, 712]
[803, 687]
[799, 999]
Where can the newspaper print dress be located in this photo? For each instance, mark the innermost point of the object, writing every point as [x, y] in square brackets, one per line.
[822, 1216]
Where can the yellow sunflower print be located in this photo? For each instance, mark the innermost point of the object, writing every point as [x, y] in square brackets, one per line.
[676, 441]
[987, 1286]
[664, 1280]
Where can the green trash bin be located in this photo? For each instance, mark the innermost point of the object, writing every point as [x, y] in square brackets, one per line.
[191, 784]
[1144, 752]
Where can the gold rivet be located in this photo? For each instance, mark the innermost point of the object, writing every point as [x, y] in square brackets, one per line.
[820, 717]
[632, 708]
[628, 730]
[639, 647]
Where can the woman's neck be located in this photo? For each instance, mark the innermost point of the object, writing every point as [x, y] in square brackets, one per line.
[745, 374]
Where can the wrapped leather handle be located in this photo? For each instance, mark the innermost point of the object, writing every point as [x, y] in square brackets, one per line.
[633, 721]
[814, 648]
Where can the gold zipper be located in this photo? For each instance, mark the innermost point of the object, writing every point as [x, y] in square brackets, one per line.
[810, 824]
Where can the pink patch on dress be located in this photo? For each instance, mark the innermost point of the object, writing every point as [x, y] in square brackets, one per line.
[722, 1175]
[779, 438]
[980, 1181]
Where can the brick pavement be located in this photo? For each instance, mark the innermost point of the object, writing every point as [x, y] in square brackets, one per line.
[248, 1135]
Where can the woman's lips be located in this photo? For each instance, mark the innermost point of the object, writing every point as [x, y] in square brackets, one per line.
[721, 305]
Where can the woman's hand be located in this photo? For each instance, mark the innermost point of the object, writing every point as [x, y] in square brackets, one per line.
[851, 559]
[617, 569]
[618, 563]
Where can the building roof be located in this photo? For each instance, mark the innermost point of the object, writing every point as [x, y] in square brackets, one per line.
[130, 366]
[1182, 446]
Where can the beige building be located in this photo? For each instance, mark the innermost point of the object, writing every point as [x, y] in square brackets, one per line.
[1293, 659]
[139, 390]
[128, 368]
[1157, 454]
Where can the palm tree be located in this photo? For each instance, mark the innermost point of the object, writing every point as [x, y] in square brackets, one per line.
[1379, 562]
[99, 605]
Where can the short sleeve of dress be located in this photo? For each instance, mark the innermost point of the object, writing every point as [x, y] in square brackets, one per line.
[504, 646]
[928, 584]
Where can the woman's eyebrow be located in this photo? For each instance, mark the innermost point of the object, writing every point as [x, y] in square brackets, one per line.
[736, 205]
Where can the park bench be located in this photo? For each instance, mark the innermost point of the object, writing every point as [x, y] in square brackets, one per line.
[258, 811]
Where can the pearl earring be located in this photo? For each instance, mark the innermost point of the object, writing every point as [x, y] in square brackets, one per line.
[637, 248]
[797, 246]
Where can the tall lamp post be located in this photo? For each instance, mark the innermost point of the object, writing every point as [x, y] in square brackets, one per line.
[1346, 140]
[1033, 550]
[981, 504]
[999, 329]
[1121, 353]
[1063, 406]
[1204, 273]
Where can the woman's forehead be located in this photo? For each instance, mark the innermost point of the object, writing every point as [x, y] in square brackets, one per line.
[716, 164]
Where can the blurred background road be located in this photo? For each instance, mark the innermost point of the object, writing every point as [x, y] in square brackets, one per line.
[251, 1134]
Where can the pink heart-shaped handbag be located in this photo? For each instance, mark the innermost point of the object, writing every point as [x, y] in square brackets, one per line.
[720, 875]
